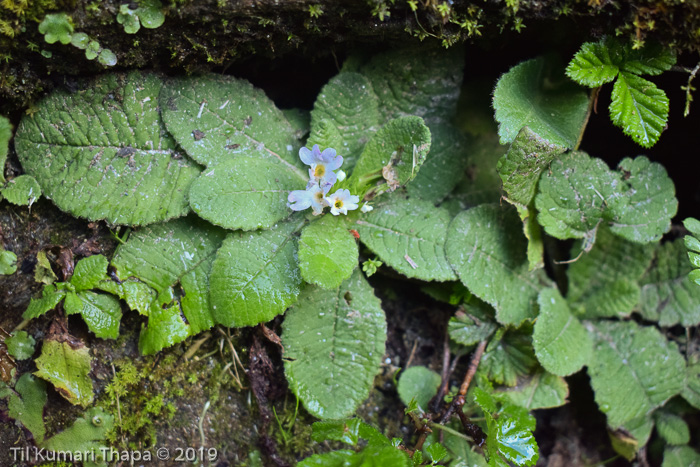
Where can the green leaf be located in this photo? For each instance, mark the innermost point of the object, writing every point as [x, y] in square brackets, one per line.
[149, 13]
[395, 153]
[138, 296]
[437, 452]
[419, 383]
[444, 166]
[165, 327]
[349, 105]
[593, 65]
[639, 108]
[174, 259]
[651, 368]
[417, 81]
[680, 456]
[604, 282]
[50, 297]
[345, 431]
[510, 435]
[328, 253]
[22, 190]
[89, 272]
[691, 388]
[541, 390]
[473, 323]
[56, 27]
[334, 344]
[66, 366]
[27, 406]
[509, 356]
[107, 57]
[8, 262]
[561, 343]
[215, 118]
[5, 136]
[645, 212]
[255, 275]
[102, 313]
[551, 106]
[574, 194]
[245, 192]
[652, 59]
[668, 295]
[20, 345]
[487, 250]
[461, 452]
[672, 428]
[385, 456]
[408, 235]
[80, 40]
[42, 271]
[85, 436]
[520, 168]
[103, 152]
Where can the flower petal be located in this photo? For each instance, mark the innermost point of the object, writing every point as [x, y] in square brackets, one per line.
[306, 156]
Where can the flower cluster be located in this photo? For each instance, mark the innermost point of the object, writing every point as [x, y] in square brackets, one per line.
[321, 178]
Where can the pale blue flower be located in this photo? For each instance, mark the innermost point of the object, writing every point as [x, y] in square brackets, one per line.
[342, 201]
[322, 163]
[313, 197]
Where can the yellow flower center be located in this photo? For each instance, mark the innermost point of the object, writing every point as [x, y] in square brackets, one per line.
[338, 203]
[319, 196]
[320, 171]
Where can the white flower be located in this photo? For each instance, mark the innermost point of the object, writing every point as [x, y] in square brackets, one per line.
[341, 175]
[312, 197]
[342, 201]
[322, 164]
[366, 208]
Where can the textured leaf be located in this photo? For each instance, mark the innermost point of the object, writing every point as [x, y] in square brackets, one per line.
[165, 326]
[668, 294]
[255, 275]
[20, 345]
[5, 135]
[137, 295]
[85, 435]
[27, 404]
[639, 108]
[651, 368]
[509, 356]
[419, 383]
[692, 243]
[103, 153]
[50, 297]
[345, 431]
[444, 166]
[245, 192]
[174, 259]
[521, 166]
[328, 252]
[89, 272]
[652, 59]
[216, 118]
[541, 390]
[691, 388]
[472, 324]
[371, 456]
[22, 190]
[671, 428]
[593, 65]
[423, 82]
[555, 110]
[349, 104]
[510, 436]
[649, 202]
[408, 235]
[561, 343]
[67, 368]
[334, 344]
[573, 195]
[8, 262]
[681, 456]
[102, 313]
[397, 151]
[487, 250]
[604, 281]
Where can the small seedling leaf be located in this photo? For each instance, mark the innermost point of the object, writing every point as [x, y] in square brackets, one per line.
[419, 383]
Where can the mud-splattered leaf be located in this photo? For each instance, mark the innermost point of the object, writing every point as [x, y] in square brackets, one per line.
[419, 383]
[255, 275]
[67, 367]
[102, 313]
[561, 343]
[328, 252]
[408, 235]
[22, 190]
[103, 152]
[27, 404]
[217, 118]
[541, 390]
[334, 343]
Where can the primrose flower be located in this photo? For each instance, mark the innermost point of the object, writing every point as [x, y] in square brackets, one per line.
[342, 201]
[322, 163]
[313, 197]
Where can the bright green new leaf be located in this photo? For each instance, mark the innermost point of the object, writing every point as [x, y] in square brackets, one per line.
[650, 366]
[86, 435]
[8, 262]
[408, 235]
[66, 366]
[245, 192]
[174, 259]
[89, 272]
[102, 313]
[350, 106]
[668, 294]
[520, 168]
[5, 136]
[27, 405]
[509, 356]
[217, 118]
[595, 64]
[540, 390]
[644, 214]
[50, 297]
[165, 326]
[487, 250]
[345, 431]
[255, 275]
[103, 152]
[371, 456]
[672, 428]
[436, 451]
[680, 456]
[419, 383]
[137, 295]
[22, 190]
[639, 108]
[561, 343]
[334, 344]
[56, 27]
[551, 106]
[328, 252]
[473, 323]
[20, 345]
[395, 153]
